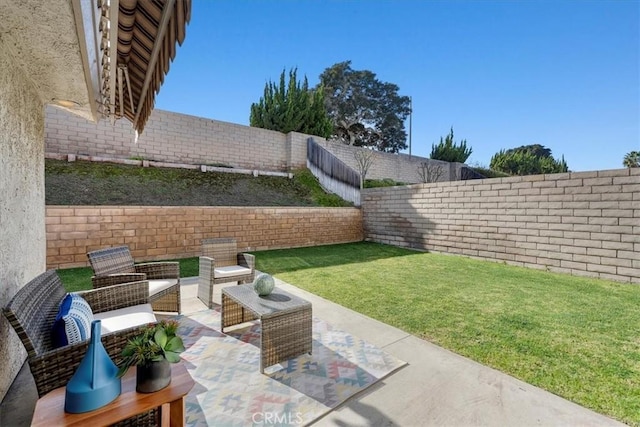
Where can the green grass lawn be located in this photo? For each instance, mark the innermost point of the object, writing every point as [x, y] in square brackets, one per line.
[575, 337]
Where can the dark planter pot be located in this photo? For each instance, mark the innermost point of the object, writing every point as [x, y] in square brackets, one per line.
[153, 377]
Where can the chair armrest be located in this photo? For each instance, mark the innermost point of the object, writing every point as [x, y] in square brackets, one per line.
[159, 270]
[205, 268]
[117, 296]
[116, 279]
[247, 260]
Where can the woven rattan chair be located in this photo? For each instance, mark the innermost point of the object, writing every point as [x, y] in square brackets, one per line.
[32, 312]
[222, 263]
[112, 266]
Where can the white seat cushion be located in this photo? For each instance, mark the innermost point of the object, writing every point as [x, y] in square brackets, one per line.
[123, 318]
[157, 285]
[230, 271]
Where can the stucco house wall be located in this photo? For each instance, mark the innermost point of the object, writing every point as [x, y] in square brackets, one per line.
[22, 208]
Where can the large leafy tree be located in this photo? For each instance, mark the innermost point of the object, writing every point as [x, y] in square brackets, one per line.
[527, 160]
[631, 159]
[364, 110]
[450, 151]
[291, 106]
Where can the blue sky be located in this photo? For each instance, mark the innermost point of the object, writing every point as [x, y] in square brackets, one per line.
[564, 74]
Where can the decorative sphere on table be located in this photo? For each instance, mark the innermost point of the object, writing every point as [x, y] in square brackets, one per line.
[264, 284]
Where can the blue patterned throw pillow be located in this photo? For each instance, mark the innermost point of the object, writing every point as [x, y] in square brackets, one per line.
[73, 322]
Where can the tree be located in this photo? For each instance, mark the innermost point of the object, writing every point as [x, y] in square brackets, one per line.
[449, 151]
[527, 160]
[535, 149]
[364, 161]
[631, 159]
[291, 107]
[365, 111]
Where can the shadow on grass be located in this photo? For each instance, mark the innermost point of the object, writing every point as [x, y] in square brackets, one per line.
[287, 260]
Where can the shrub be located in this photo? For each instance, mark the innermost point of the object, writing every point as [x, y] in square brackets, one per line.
[449, 151]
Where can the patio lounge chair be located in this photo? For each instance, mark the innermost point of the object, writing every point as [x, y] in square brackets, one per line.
[113, 266]
[222, 263]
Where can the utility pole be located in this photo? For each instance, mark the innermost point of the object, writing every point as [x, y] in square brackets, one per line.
[410, 116]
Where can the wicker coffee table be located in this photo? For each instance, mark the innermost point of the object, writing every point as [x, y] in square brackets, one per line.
[285, 318]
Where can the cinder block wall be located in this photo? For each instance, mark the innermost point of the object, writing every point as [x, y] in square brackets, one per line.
[154, 233]
[174, 137]
[180, 138]
[584, 223]
[399, 167]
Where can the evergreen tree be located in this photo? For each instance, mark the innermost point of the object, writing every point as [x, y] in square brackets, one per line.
[449, 151]
[631, 159]
[291, 107]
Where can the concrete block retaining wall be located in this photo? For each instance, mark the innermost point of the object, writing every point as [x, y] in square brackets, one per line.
[399, 167]
[176, 138]
[154, 233]
[584, 223]
[180, 138]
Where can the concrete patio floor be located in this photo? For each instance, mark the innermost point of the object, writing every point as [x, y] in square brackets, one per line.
[437, 387]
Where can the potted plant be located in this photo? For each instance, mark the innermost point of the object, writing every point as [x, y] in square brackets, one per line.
[151, 352]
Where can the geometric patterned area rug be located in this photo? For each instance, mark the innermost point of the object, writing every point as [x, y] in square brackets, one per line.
[231, 391]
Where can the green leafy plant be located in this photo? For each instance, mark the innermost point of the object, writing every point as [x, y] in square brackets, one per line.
[631, 159]
[450, 151]
[157, 342]
[489, 173]
[386, 182]
[527, 160]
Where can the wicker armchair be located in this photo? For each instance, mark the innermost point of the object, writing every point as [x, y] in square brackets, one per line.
[222, 263]
[32, 312]
[113, 266]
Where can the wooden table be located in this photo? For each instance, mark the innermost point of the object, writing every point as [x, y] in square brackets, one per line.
[286, 321]
[50, 407]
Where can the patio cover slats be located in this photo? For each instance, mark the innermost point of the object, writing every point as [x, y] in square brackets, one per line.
[139, 23]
